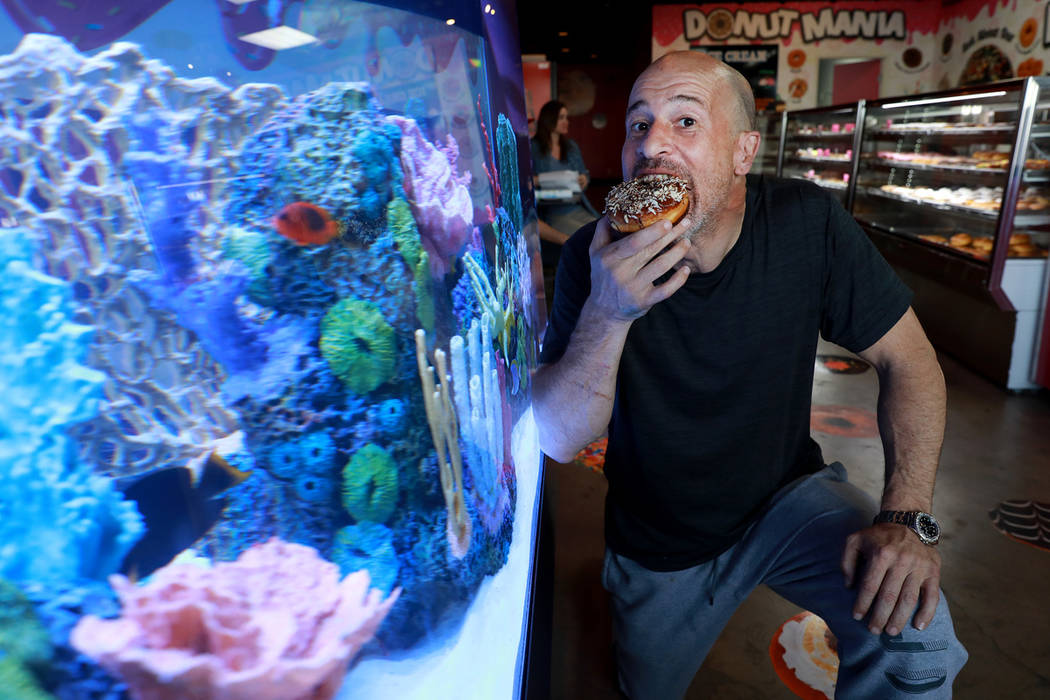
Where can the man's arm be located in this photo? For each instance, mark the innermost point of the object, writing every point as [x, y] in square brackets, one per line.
[572, 399]
[551, 234]
[899, 570]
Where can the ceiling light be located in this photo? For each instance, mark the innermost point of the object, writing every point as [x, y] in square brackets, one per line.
[951, 98]
[450, 22]
[241, 2]
[488, 8]
[279, 38]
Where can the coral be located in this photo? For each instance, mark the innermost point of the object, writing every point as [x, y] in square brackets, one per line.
[69, 674]
[507, 167]
[80, 126]
[18, 682]
[479, 406]
[403, 229]
[252, 248]
[308, 463]
[390, 416]
[370, 484]
[443, 429]
[209, 309]
[68, 527]
[56, 519]
[46, 386]
[440, 199]
[358, 344]
[368, 546]
[313, 452]
[22, 637]
[277, 624]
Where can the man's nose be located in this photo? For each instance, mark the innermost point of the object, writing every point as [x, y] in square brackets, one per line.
[656, 142]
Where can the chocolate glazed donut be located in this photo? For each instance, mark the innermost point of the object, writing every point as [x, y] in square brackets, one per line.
[641, 202]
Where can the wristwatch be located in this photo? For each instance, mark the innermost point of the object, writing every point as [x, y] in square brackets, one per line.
[922, 524]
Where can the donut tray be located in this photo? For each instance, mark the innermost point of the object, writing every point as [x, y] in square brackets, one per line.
[1021, 218]
[1029, 175]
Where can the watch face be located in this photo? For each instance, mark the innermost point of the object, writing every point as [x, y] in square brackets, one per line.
[928, 528]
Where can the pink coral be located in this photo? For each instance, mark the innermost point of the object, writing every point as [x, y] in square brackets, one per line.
[439, 198]
[277, 624]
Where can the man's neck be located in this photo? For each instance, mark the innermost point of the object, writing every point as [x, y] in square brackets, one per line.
[712, 245]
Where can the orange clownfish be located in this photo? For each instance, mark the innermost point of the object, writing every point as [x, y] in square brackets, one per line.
[306, 224]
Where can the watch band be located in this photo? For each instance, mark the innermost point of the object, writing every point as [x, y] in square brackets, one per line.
[921, 523]
[900, 517]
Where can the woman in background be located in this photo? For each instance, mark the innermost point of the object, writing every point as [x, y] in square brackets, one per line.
[552, 150]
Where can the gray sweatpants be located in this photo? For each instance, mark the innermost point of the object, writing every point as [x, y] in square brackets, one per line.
[666, 622]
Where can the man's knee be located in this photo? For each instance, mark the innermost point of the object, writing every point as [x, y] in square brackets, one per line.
[913, 662]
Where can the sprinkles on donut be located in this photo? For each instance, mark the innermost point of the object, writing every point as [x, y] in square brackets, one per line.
[641, 202]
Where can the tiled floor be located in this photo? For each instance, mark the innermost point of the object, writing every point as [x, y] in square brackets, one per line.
[997, 447]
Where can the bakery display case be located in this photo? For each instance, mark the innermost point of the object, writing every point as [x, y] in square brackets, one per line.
[954, 188]
[819, 144]
[771, 126]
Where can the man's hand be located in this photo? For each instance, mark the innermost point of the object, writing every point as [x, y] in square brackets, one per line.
[899, 572]
[623, 271]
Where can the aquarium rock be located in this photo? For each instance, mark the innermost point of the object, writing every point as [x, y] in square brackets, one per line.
[79, 136]
[277, 624]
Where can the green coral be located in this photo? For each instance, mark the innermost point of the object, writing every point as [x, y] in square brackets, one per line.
[406, 235]
[24, 644]
[358, 344]
[22, 636]
[18, 683]
[370, 484]
[251, 248]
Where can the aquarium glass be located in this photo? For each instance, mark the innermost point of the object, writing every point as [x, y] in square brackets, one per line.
[268, 320]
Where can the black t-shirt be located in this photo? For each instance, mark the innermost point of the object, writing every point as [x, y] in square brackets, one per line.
[711, 413]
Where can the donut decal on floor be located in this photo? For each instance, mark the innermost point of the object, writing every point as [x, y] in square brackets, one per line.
[844, 421]
[1024, 521]
[592, 456]
[842, 364]
[805, 656]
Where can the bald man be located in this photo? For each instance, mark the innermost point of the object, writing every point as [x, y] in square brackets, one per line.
[693, 346]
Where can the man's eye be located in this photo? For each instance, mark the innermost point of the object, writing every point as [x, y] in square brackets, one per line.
[639, 126]
[687, 121]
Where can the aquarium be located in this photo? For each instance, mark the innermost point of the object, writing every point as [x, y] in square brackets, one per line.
[269, 311]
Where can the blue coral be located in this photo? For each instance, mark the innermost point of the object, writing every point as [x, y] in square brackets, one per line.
[368, 546]
[57, 520]
[389, 416]
[314, 453]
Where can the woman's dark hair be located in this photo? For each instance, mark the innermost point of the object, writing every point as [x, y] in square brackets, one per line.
[546, 124]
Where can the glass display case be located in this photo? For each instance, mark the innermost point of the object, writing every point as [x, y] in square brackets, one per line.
[771, 126]
[269, 322]
[954, 187]
[819, 144]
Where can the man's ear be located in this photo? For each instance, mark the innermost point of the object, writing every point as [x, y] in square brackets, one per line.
[747, 144]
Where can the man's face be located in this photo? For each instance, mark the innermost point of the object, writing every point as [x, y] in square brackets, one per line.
[678, 122]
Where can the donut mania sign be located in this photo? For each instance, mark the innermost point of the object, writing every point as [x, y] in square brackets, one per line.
[805, 32]
[922, 46]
